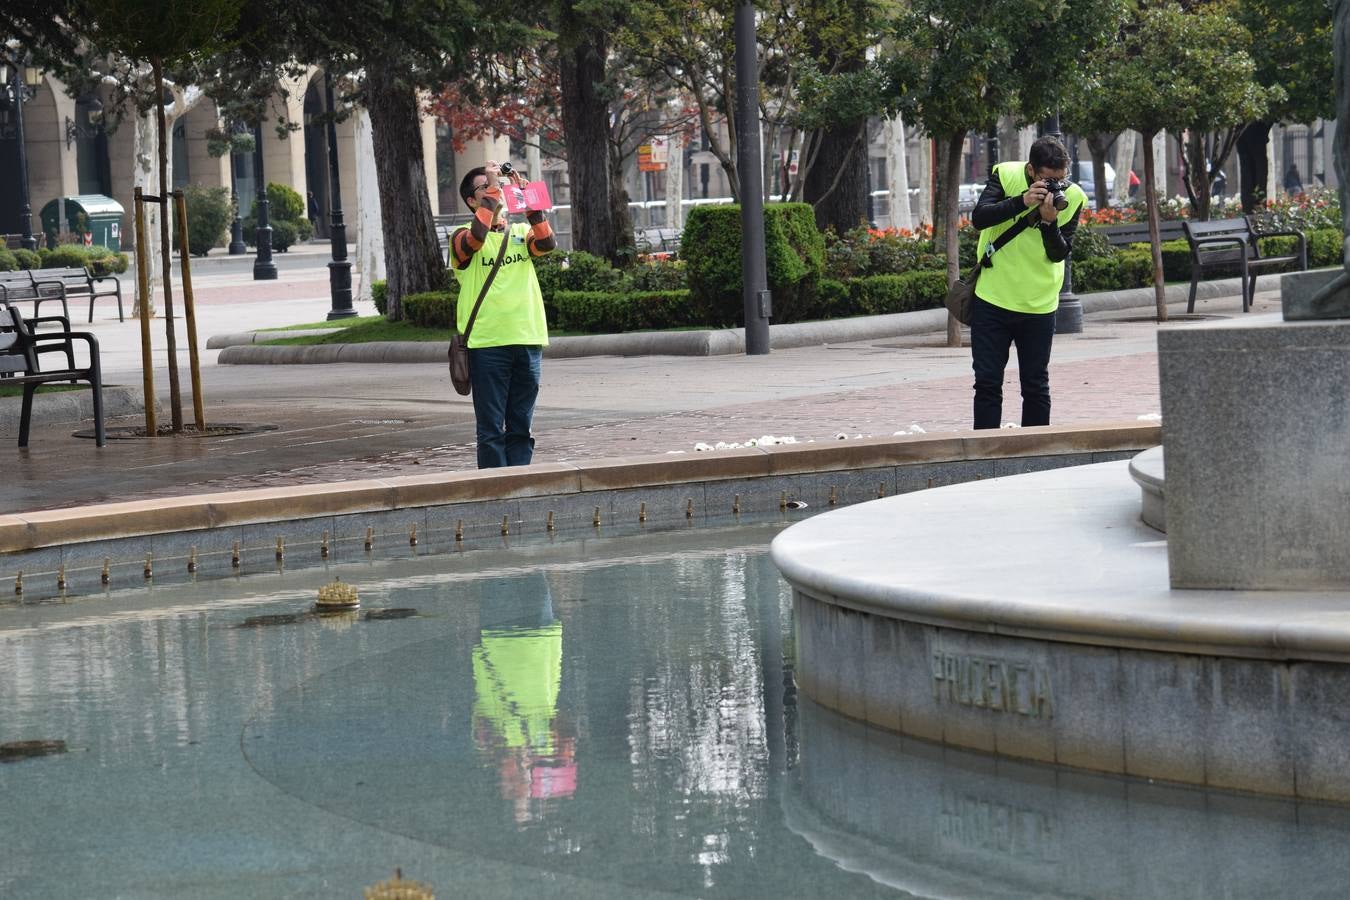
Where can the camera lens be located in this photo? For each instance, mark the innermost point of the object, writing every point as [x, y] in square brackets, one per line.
[507, 169]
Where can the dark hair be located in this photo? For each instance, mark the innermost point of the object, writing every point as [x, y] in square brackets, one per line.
[466, 183]
[1048, 153]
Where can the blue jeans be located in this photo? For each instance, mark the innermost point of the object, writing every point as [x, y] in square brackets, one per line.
[993, 330]
[505, 384]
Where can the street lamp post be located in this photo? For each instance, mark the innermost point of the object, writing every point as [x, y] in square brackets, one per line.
[339, 268]
[237, 245]
[1069, 316]
[755, 291]
[263, 267]
[15, 95]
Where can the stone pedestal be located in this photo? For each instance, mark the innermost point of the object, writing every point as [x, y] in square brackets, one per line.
[1256, 426]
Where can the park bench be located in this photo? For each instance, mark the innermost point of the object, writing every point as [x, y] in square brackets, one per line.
[19, 287]
[1137, 233]
[1228, 243]
[654, 240]
[20, 347]
[78, 281]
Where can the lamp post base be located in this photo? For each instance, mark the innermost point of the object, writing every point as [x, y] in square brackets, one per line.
[340, 288]
[237, 245]
[1069, 316]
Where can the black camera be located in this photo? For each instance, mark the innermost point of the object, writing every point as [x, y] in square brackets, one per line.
[508, 170]
[1056, 189]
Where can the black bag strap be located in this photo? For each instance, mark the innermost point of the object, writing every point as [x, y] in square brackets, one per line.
[501, 254]
[1018, 227]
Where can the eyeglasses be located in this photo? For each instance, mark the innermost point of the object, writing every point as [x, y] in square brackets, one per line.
[480, 187]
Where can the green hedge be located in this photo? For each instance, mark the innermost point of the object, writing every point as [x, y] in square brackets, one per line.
[433, 309]
[208, 217]
[286, 215]
[100, 260]
[602, 312]
[884, 294]
[379, 292]
[711, 247]
[8, 261]
[1325, 247]
[30, 259]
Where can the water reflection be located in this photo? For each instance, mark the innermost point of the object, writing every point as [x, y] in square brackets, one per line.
[517, 672]
[946, 823]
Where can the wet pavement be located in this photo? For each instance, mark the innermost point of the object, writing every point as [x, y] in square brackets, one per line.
[345, 421]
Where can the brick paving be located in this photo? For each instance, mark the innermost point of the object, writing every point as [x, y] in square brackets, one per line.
[342, 422]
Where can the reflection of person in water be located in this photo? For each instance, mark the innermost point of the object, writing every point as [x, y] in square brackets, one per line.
[517, 671]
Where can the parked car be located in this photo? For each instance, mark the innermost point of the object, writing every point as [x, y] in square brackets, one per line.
[1085, 179]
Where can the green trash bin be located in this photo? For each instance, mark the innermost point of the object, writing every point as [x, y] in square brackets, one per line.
[96, 218]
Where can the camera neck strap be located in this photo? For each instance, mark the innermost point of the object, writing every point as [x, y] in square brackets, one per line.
[487, 283]
[1018, 227]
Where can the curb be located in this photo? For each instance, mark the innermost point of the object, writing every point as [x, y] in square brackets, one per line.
[72, 406]
[241, 349]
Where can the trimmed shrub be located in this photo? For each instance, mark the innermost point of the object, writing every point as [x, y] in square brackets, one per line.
[1176, 261]
[99, 260]
[29, 259]
[657, 275]
[1098, 273]
[1136, 266]
[1324, 247]
[379, 292]
[286, 215]
[1089, 243]
[8, 261]
[575, 270]
[834, 300]
[433, 309]
[284, 234]
[884, 294]
[208, 217]
[794, 278]
[602, 312]
[711, 248]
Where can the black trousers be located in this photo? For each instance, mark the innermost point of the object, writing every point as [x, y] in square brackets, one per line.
[992, 331]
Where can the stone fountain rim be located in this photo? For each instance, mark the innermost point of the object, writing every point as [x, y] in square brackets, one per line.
[918, 557]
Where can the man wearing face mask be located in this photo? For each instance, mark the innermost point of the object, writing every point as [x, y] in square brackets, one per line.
[1018, 293]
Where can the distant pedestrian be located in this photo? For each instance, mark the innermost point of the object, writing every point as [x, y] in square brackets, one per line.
[313, 211]
[1018, 292]
[1293, 182]
[510, 332]
[1134, 184]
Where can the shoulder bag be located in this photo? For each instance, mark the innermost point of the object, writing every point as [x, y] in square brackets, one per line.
[961, 295]
[459, 343]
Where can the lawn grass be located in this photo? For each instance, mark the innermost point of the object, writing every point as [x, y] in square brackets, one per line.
[16, 390]
[365, 330]
[335, 323]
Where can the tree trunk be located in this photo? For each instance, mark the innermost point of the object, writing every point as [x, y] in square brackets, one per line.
[166, 251]
[369, 230]
[949, 191]
[1197, 175]
[898, 171]
[1100, 145]
[836, 186]
[585, 119]
[1154, 241]
[1125, 142]
[412, 255]
[620, 218]
[1253, 164]
[925, 214]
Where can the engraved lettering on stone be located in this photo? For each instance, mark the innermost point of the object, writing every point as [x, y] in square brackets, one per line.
[976, 823]
[988, 682]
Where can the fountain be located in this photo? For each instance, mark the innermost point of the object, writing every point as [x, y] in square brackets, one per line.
[1042, 617]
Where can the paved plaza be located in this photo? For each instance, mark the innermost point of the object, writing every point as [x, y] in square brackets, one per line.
[338, 422]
